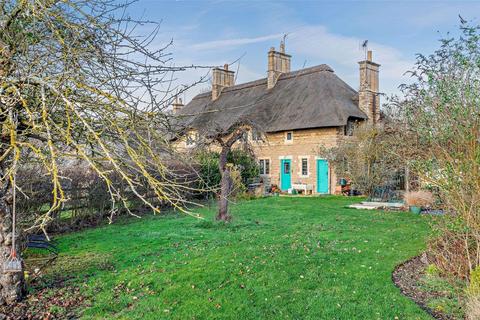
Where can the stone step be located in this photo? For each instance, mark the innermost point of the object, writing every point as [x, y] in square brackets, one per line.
[362, 206]
[383, 204]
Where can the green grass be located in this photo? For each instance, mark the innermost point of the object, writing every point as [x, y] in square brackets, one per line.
[281, 258]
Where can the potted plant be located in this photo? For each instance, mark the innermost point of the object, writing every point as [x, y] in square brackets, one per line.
[418, 200]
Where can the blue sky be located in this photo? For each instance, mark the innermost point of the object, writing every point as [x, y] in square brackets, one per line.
[219, 32]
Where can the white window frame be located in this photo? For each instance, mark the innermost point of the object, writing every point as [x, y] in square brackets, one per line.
[286, 137]
[300, 173]
[264, 166]
[301, 167]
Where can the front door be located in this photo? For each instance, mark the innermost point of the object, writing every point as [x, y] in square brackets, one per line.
[322, 176]
[285, 175]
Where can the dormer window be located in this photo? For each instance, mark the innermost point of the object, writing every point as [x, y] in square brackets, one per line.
[289, 136]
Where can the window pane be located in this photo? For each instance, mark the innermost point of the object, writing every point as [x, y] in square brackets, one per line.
[262, 167]
[289, 136]
[286, 167]
[267, 166]
[304, 167]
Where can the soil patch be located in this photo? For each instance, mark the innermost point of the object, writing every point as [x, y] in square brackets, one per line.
[407, 276]
[55, 300]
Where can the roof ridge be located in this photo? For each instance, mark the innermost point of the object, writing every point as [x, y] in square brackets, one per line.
[261, 81]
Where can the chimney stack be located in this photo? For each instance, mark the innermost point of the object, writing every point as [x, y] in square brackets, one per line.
[221, 78]
[177, 105]
[368, 95]
[278, 63]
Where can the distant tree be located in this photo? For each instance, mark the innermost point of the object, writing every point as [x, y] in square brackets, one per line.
[78, 82]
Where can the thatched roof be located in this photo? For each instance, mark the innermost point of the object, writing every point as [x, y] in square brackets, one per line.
[309, 98]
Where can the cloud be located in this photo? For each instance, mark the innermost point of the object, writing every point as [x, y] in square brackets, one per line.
[314, 44]
[232, 43]
[317, 45]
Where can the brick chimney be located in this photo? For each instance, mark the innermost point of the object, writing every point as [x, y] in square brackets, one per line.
[177, 105]
[278, 63]
[368, 95]
[221, 78]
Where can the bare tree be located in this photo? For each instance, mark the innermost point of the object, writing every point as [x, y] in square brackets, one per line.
[226, 142]
[78, 81]
[369, 158]
[225, 139]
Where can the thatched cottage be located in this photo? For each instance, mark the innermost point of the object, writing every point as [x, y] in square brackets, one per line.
[291, 114]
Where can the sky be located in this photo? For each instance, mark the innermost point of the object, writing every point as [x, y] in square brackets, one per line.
[212, 33]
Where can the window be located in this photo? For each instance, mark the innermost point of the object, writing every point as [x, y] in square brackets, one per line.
[256, 135]
[348, 129]
[264, 166]
[289, 136]
[304, 167]
[286, 167]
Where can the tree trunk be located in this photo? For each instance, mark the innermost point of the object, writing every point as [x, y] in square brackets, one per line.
[225, 186]
[12, 285]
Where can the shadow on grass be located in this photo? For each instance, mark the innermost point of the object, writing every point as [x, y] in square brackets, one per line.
[230, 226]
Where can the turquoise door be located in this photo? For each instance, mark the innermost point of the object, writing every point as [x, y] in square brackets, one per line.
[285, 175]
[322, 176]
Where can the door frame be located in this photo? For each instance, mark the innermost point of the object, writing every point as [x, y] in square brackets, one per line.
[328, 175]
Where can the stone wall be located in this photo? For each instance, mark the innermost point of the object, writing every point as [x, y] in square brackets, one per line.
[305, 144]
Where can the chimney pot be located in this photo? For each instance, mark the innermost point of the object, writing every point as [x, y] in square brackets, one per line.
[369, 55]
[225, 67]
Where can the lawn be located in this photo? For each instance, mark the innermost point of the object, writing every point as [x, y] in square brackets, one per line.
[281, 258]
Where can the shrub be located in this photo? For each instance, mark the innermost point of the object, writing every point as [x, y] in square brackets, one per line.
[440, 112]
[474, 284]
[447, 252]
[246, 164]
[432, 270]
[419, 198]
[208, 170]
[473, 291]
[238, 187]
[243, 162]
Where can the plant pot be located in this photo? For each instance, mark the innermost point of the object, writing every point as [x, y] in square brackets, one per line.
[415, 209]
